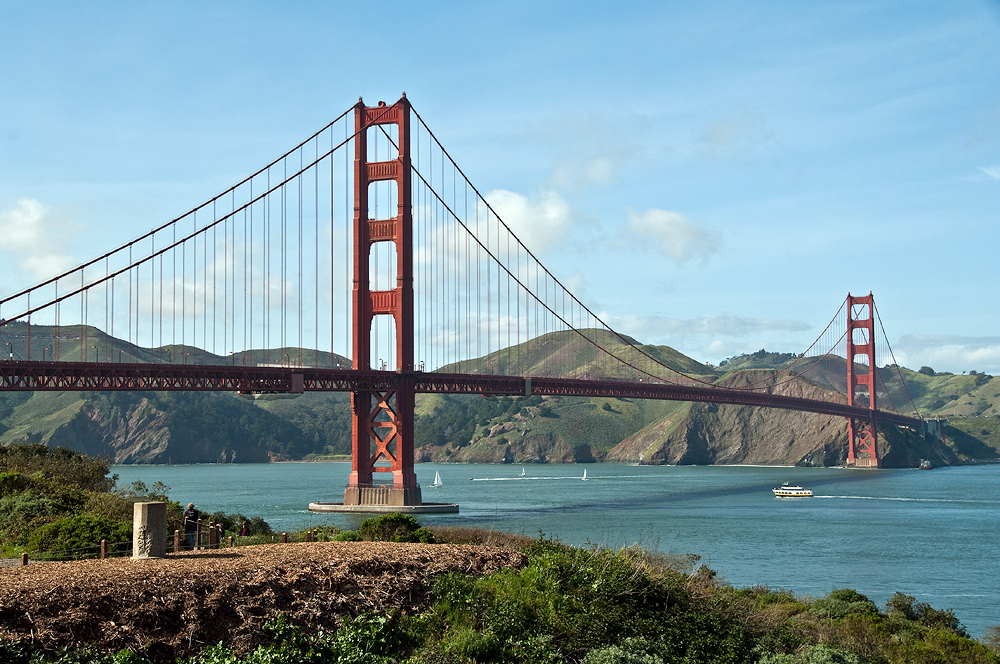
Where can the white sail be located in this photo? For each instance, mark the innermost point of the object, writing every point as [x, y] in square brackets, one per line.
[584, 473]
[522, 471]
[437, 479]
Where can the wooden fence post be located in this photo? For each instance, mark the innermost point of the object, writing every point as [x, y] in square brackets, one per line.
[197, 536]
[104, 549]
[24, 560]
[284, 538]
[177, 541]
[230, 541]
[315, 534]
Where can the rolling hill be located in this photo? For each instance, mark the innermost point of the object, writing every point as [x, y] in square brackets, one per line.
[211, 427]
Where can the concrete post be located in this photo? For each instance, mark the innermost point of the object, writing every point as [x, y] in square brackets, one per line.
[149, 530]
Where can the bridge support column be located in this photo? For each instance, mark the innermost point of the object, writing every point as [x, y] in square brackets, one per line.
[862, 434]
[383, 421]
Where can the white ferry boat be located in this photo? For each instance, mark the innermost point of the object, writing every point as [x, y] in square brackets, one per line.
[788, 491]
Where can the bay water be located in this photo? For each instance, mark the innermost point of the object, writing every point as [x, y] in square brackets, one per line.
[931, 534]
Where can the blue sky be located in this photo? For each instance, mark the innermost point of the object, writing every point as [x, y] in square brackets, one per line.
[713, 176]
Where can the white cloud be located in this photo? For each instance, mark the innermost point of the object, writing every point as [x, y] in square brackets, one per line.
[678, 239]
[31, 231]
[991, 171]
[647, 328]
[714, 338]
[540, 221]
[949, 353]
[593, 150]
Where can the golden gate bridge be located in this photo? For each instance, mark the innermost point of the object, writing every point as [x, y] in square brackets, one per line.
[363, 260]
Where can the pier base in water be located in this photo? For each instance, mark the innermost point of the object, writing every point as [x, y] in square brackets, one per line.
[384, 499]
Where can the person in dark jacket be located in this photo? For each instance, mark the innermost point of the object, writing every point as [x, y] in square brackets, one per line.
[191, 517]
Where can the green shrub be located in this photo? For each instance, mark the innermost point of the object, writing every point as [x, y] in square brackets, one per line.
[394, 527]
[907, 606]
[841, 603]
[617, 655]
[64, 466]
[20, 512]
[346, 536]
[816, 654]
[936, 646]
[366, 639]
[567, 602]
[775, 597]
[10, 483]
[77, 532]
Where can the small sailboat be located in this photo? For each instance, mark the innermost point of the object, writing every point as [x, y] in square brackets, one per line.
[584, 474]
[437, 480]
[522, 471]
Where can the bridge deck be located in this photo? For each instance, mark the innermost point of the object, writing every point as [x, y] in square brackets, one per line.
[71, 376]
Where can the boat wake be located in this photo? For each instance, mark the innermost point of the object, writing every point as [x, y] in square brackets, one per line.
[912, 500]
[519, 479]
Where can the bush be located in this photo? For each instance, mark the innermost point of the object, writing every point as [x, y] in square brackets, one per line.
[78, 532]
[841, 603]
[366, 639]
[992, 638]
[616, 655]
[907, 606]
[21, 512]
[394, 527]
[62, 465]
[10, 483]
[346, 536]
[568, 602]
[817, 654]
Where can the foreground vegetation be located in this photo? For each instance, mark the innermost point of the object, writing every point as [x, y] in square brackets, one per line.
[594, 606]
[565, 604]
[60, 503]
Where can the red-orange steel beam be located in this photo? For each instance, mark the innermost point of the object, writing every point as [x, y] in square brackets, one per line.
[382, 420]
[70, 376]
[862, 432]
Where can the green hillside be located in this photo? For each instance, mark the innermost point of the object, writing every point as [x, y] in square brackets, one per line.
[204, 427]
[575, 355]
[75, 343]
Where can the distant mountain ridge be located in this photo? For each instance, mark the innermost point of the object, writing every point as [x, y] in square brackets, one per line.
[176, 427]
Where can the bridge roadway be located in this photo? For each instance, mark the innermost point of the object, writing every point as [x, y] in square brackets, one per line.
[83, 376]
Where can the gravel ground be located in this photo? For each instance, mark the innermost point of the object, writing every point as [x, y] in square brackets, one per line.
[175, 606]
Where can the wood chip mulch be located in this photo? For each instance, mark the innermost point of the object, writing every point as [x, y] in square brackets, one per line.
[177, 605]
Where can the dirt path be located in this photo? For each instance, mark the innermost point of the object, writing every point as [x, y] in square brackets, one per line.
[177, 605]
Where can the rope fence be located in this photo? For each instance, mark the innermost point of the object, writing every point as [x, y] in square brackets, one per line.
[210, 537]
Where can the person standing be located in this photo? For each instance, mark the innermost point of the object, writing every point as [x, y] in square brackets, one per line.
[191, 518]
